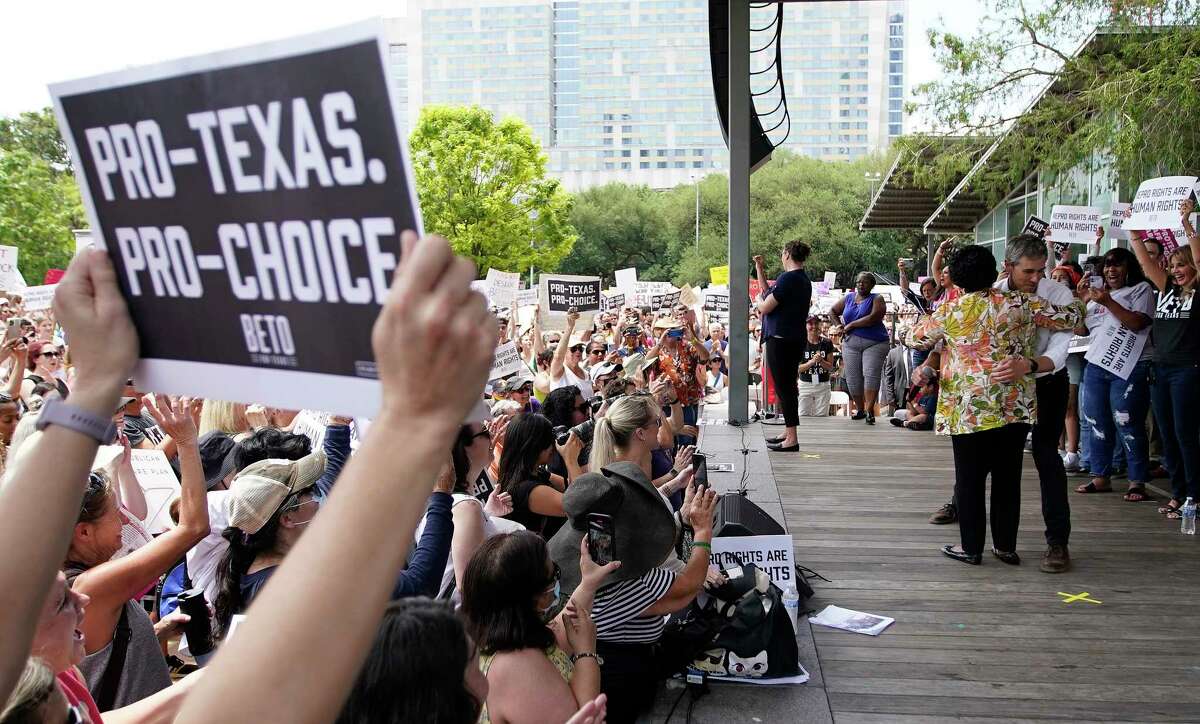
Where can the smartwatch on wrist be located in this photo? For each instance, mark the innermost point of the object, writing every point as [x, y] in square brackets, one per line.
[57, 412]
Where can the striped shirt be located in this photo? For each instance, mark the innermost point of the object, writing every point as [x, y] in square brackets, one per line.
[617, 608]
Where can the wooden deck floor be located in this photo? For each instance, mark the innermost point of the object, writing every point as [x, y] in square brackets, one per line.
[990, 643]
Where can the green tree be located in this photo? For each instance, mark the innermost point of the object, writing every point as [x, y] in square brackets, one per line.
[619, 226]
[482, 184]
[38, 209]
[1119, 102]
[37, 133]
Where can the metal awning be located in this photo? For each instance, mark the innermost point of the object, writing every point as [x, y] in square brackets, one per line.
[901, 204]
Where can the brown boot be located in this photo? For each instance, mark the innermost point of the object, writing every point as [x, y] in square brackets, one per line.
[945, 515]
[1056, 560]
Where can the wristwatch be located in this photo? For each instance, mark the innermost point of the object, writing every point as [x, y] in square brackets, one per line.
[57, 412]
[587, 655]
[1033, 365]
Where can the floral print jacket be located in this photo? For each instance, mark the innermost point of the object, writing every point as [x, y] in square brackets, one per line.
[980, 330]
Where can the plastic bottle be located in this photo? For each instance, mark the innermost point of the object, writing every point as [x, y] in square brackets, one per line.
[1187, 524]
[791, 604]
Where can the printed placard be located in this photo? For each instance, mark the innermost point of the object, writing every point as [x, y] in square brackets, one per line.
[614, 301]
[1116, 349]
[560, 293]
[526, 298]
[10, 277]
[39, 297]
[1156, 203]
[502, 287]
[1074, 224]
[1116, 221]
[771, 553]
[158, 482]
[830, 279]
[687, 296]
[719, 275]
[311, 424]
[664, 301]
[507, 361]
[1036, 226]
[252, 201]
[716, 303]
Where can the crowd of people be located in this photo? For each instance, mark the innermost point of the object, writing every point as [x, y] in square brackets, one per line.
[467, 543]
[464, 544]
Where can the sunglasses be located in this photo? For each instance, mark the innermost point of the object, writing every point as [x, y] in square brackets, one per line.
[482, 433]
[596, 351]
[52, 354]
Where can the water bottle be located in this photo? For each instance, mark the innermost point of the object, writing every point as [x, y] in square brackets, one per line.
[1187, 524]
[791, 604]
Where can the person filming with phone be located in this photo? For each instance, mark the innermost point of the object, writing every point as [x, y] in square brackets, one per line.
[641, 533]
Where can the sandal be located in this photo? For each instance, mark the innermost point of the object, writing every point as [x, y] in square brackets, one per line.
[1172, 506]
[1137, 494]
[1091, 487]
[1174, 515]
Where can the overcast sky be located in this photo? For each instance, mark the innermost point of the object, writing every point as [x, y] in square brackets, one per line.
[44, 42]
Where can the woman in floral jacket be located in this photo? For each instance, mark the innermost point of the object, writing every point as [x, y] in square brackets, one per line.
[986, 331]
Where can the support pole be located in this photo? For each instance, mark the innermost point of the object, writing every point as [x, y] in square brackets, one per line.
[739, 209]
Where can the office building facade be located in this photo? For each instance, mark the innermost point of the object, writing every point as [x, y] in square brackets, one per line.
[621, 90]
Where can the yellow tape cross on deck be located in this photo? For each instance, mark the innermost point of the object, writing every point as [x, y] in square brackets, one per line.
[1073, 597]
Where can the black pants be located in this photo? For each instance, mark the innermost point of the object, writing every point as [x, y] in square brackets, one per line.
[997, 452]
[783, 359]
[1052, 392]
[629, 677]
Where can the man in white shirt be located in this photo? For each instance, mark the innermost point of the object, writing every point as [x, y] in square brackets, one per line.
[1025, 265]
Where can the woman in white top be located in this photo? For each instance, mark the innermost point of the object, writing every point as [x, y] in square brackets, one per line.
[566, 367]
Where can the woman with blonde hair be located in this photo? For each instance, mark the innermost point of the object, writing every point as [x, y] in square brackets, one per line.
[1175, 391]
[221, 416]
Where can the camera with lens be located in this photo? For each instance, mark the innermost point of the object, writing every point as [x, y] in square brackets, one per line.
[583, 431]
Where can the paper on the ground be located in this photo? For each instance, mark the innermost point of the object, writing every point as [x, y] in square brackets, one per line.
[854, 621]
[800, 678]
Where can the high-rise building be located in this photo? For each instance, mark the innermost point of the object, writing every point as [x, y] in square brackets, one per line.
[622, 90]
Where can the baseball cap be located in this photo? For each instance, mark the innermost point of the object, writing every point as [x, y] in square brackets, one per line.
[216, 456]
[259, 490]
[605, 368]
[516, 382]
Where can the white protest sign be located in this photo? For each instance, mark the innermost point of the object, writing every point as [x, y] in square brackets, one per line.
[507, 361]
[626, 279]
[830, 279]
[716, 304]
[1074, 224]
[1116, 221]
[771, 553]
[311, 424]
[282, 241]
[892, 293]
[614, 300]
[664, 301]
[160, 485]
[39, 297]
[1156, 203]
[83, 239]
[561, 292]
[10, 278]
[526, 298]
[502, 287]
[1116, 348]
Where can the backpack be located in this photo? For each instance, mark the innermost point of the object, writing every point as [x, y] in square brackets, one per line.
[742, 632]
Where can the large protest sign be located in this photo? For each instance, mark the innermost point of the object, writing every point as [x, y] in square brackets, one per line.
[716, 304]
[1116, 348]
[1116, 221]
[1035, 226]
[664, 301]
[252, 202]
[39, 297]
[626, 279]
[614, 300]
[771, 553]
[1156, 203]
[1074, 224]
[10, 277]
[158, 482]
[506, 361]
[719, 275]
[502, 287]
[560, 293]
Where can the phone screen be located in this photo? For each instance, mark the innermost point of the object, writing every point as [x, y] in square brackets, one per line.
[14, 329]
[601, 538]
[700, 469]
[1097, 281]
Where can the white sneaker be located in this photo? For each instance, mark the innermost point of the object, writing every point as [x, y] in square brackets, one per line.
[1071, 462]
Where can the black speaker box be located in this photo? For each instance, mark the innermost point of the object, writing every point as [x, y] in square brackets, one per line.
[737, 516]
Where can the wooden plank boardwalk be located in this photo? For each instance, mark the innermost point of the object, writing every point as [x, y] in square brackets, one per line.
[991, 643]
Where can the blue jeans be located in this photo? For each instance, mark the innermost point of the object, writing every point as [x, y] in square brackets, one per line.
[1116, 410]
[1085, 434]
[1176, 396]
[691, 415]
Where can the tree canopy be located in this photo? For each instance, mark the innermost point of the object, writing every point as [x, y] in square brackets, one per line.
[1118, 80]
[482, 184]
